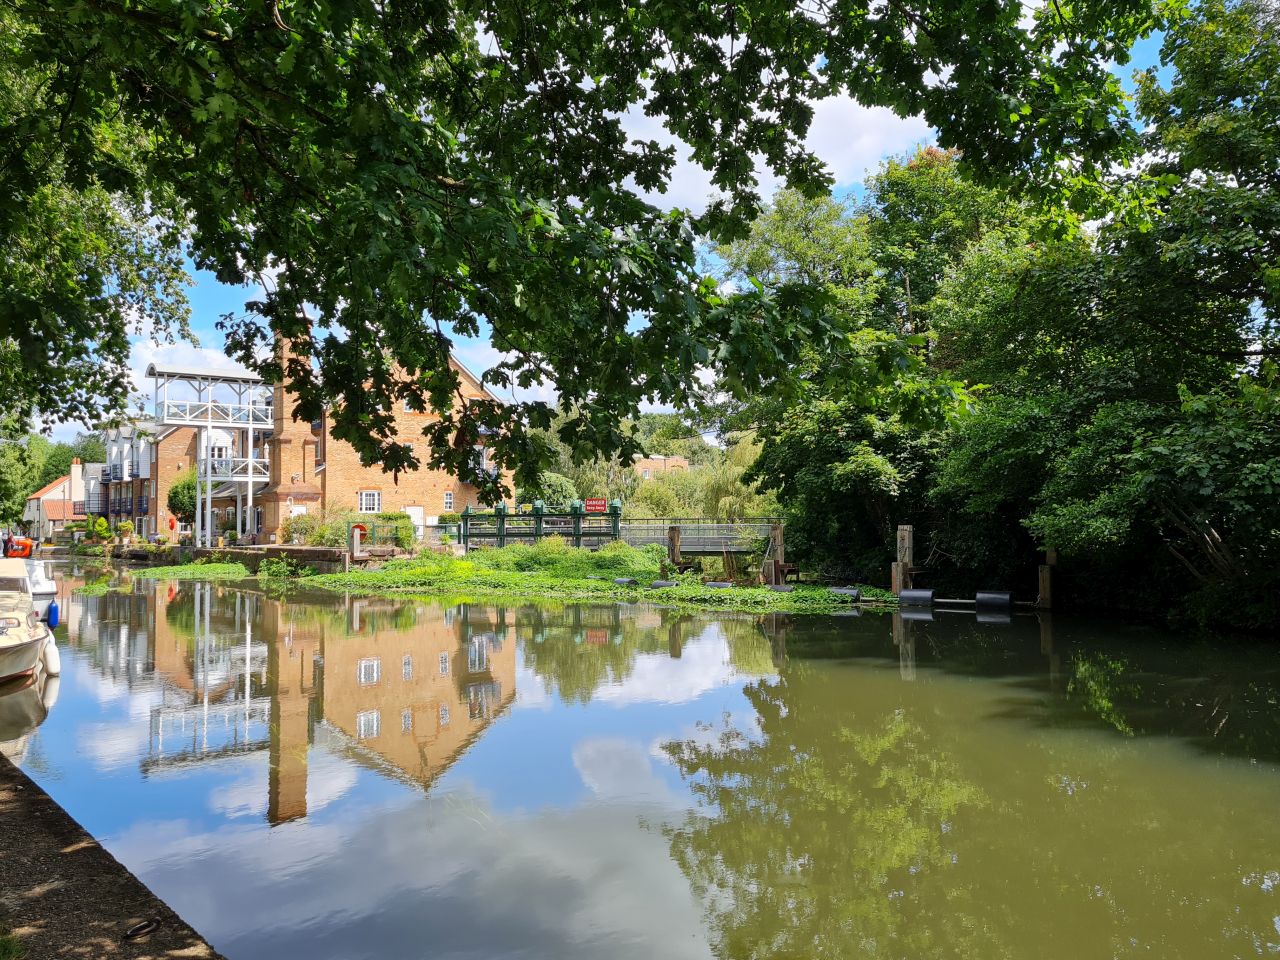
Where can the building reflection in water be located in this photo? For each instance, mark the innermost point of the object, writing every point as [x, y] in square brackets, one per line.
[403, 689]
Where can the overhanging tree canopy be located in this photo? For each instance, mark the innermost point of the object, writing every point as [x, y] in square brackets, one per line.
[403, 172]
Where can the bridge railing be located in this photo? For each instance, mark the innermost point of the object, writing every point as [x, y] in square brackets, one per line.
[699, 535]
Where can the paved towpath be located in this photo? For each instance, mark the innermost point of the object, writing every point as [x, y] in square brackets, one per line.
[63, 895]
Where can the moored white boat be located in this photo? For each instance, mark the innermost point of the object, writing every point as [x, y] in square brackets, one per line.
[23, 637]
[43, 587]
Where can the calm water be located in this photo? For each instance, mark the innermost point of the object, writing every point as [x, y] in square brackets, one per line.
[329, 777]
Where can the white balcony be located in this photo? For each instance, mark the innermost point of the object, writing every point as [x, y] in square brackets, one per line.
[235, 469]
[203, 413]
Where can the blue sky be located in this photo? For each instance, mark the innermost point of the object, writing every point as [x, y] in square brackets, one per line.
[851, 139]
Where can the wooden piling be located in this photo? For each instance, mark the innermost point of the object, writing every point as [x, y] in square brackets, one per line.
[1044, 595]
[901, 571]
[673, 543]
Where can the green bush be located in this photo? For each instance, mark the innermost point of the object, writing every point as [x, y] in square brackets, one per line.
[276, 568]
[300, 529]
[101, 529]
[182, 497]
[449, 518]
[125, 528]
[328, 529]
[402, 533]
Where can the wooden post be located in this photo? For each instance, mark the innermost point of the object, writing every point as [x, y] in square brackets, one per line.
[673, 543]
[900, 572]
[906, 543]
[778, 551]
[1044, 598]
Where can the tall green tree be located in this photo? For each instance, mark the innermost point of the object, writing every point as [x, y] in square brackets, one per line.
[405, 173]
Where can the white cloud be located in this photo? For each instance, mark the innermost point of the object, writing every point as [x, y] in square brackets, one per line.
[616, 769]
[704, 665]
[849, 138]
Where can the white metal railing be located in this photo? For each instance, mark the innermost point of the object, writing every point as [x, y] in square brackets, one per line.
[226, 469]
[198, 412]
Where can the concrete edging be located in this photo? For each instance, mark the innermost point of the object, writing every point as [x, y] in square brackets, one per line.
[63, 895]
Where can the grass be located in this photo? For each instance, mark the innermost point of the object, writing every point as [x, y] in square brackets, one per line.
[553, 570]
[11, 947]
[195, 571]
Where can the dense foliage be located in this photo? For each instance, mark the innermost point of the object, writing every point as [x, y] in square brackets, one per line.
[410, 172]
[1114, 396]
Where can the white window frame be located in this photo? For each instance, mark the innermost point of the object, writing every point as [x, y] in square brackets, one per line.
[369, 671]
[375, 501]
[444, 714]
[406, 667]
[444, 664]
[406, 720]
[368, 724]
[448, 501]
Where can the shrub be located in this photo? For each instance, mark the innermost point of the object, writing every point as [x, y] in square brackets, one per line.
[275, 568]
[403, 532]
[449, 518]
[125, 528]
[300, 529]
[182, 497]
[327, 529]
[101, 529]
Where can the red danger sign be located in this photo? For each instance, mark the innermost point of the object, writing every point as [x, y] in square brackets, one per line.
[596, 505]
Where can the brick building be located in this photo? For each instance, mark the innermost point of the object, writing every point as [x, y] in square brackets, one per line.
[650, 467]
[261, 465]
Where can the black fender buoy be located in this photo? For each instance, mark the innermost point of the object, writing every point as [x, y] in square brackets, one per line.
[717, 585]
[659, 584]
[993, 600]
[626, 582]
[916, 598]
[852, 592]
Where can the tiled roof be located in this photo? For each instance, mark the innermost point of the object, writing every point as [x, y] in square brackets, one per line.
[61, 510]
[46, 489]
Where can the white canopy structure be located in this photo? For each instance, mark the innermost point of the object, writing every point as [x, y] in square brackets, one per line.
[232, 410]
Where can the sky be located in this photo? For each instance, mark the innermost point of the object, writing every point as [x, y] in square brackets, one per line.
[852, 140]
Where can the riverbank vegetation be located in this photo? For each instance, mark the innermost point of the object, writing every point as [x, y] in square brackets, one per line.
[553, 570]
[1111, 395]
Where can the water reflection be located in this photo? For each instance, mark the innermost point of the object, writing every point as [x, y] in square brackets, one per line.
[24, 703]
[325, 777]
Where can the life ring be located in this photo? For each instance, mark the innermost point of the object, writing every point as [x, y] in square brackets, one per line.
[361, 527]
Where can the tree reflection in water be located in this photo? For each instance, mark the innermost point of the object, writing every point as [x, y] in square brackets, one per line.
[816, 833]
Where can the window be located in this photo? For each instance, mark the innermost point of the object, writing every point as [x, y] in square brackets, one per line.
[644, 475]
[478, 654]
[444, 715]
[406, 668]
[370, 501]
[368, 724]
[448, 617]
[448, 501]
[444, 664]
[406, 721]
[369, 670]
[408, 407]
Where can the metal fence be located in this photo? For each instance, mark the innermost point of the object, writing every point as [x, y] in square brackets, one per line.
[579, 529]
[700, 536]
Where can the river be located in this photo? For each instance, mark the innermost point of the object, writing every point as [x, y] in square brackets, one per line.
[323, 776]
